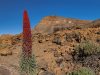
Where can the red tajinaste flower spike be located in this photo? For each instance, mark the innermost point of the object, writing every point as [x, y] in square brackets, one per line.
[27, 41]
[27, 64]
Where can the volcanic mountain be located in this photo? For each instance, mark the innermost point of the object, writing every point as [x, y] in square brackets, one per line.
[60, 45]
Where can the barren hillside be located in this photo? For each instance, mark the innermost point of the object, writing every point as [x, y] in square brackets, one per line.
[59, 45]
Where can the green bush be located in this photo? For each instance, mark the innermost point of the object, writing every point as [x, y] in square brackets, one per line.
[28, 66]
[88, 48]
[82, 71]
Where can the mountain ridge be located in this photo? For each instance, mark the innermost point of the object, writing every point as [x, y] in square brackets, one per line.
[49, 21]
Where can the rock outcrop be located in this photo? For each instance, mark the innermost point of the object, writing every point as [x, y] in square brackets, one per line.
[51, 24]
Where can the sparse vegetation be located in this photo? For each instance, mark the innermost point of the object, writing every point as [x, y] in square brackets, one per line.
[68, 37]
[57, 40]
[87, 47]
[73, 36]
[82, 71]
[77, 36]
[77, 27]
[28, 65]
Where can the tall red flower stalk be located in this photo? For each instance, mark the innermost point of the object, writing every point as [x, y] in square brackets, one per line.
[27, 64]
[27, 42]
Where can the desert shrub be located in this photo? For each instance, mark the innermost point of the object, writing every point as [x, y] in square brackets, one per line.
[27, 65]
[77, 36]
[16, 40]
[77, 27]
[92, 62]
[88, 47]
[57, 40]
[68, 37]
[82, 71]
[85, 49]
[73, 36]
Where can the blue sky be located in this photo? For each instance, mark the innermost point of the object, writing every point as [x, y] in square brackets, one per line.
[11, 11]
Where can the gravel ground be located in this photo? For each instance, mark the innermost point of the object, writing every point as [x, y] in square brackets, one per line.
[4, 71]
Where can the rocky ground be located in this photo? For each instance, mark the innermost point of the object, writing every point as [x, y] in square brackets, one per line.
[54, 46]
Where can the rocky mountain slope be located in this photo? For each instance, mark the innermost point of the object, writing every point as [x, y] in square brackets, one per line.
[59, 45]
[50, 23]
